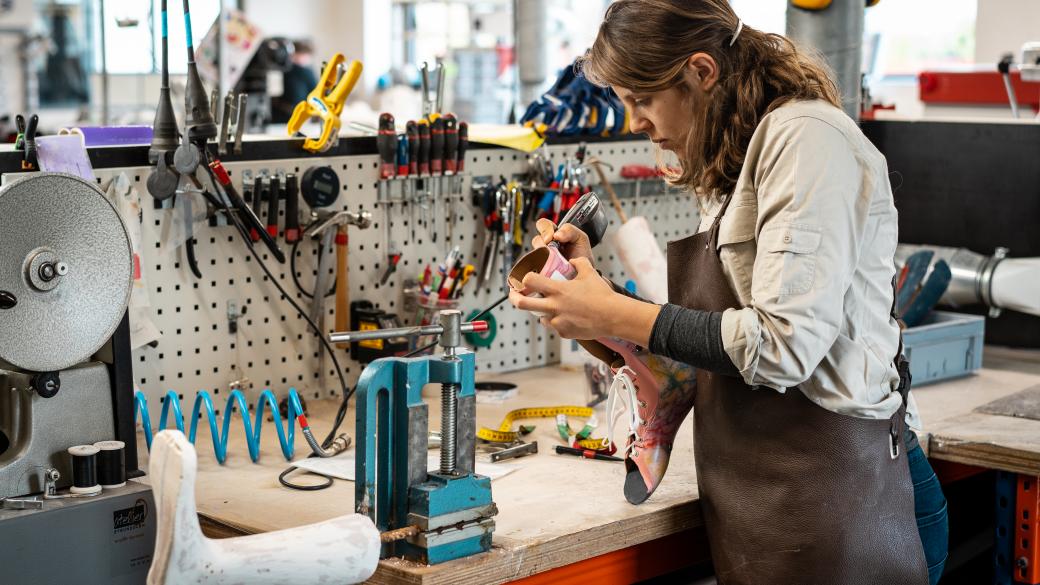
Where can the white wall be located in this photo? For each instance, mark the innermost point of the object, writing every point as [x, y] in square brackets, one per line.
[1001, 26]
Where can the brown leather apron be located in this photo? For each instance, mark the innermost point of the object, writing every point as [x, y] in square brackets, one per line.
[793, 494]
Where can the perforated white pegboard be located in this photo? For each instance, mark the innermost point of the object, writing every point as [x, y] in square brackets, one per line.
[273, 347]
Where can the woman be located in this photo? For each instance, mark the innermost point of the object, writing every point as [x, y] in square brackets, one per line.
[782, 302]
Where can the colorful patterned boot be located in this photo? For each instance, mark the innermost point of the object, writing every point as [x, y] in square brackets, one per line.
[657, 393]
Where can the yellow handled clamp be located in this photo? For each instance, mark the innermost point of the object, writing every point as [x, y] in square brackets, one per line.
[326, 103]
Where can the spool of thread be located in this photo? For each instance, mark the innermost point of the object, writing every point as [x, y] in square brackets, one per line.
[111, 464]
[84, 469]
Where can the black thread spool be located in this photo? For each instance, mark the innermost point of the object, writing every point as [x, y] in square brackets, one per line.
[84, 469]
[111, 464]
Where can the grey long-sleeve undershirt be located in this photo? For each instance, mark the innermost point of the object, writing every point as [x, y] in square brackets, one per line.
[688, 335]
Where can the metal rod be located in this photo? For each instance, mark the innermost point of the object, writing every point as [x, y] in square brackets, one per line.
[418, 330]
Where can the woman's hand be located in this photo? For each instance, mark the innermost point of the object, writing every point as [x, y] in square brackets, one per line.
[586, 307]
[573, 242]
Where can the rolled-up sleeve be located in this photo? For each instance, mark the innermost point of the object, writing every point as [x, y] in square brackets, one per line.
[812, 212]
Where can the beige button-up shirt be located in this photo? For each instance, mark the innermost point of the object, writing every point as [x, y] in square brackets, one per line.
[807, 245]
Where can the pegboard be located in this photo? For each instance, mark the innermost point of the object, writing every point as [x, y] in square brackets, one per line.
[273, 347]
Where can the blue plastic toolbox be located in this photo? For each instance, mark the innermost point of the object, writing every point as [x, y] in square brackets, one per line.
[947, 345]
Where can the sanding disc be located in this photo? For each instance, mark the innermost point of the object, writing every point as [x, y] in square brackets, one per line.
[66, 269]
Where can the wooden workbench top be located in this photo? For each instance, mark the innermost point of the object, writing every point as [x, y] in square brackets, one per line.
[557, 510]
[554, 510]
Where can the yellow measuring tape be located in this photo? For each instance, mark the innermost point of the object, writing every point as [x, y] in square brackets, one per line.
[506, 434]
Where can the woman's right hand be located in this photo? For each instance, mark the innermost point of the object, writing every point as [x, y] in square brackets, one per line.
[573, 242]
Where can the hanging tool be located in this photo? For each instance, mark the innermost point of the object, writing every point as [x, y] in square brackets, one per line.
[424, 167]
[386, 143]
[26, 141]
[451, 150]
[432, 104]
[258, 199]
[436, 169]
[274, 200]
[412, 134]
[325, 102]
[460, 156]
[232, 123]
[340, 220]
[292, 208]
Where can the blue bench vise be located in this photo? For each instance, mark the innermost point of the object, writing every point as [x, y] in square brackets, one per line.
[430, 517]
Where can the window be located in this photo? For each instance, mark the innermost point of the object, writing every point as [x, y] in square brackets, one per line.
[133, 31]
[902, 46]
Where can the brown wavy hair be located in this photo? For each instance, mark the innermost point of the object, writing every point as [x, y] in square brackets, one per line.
[644, 45]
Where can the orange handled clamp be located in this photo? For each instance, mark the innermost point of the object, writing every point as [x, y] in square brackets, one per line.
[326, 103]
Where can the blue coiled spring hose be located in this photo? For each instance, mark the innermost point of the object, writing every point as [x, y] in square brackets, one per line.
[286, 433]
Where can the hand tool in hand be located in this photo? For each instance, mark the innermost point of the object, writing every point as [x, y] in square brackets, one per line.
[586, 453]
[326, 103]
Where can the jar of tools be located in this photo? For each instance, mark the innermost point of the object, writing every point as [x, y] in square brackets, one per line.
[424, 307]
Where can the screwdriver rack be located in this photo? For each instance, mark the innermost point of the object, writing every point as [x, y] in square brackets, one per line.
[272, 347]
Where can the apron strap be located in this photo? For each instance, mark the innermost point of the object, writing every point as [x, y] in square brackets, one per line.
[713, 231]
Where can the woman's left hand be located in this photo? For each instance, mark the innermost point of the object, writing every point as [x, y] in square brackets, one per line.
[582, 308]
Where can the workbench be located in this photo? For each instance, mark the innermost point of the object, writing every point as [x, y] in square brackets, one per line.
[564, 519]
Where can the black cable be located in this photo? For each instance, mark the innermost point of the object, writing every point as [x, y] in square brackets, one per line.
[347, 392]
[292, 264]
[303, 488]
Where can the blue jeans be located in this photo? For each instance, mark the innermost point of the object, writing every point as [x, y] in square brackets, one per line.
[930, 509]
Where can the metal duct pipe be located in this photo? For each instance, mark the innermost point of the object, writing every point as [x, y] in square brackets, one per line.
[995, 281]
[531, 21]
[837, 33]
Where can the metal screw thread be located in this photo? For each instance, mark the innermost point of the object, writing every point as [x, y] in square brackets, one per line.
[449, 423]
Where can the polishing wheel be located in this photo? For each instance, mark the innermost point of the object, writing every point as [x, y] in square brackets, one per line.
[66, 269]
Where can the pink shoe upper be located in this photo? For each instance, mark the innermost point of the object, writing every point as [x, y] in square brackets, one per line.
[664, 396]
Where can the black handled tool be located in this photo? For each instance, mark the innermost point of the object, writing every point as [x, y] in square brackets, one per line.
[424, 148]
[437, 146]
[411, 130]
[258, 198]
[586, 453]
[386, 142]
[460, 164]
[273, 202]
[292, 208]
[451, 143]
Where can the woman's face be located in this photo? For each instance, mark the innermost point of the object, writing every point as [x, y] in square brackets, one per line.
[665, 116]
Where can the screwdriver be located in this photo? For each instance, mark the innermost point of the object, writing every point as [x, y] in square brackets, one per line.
[258, 200]
[272, 206]
[437, 147]
[386, 142]
[403, 149]
[451, 142]
[586, 453]
[424, 148]
[412, 132]
[292, 208]
[460, 165]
